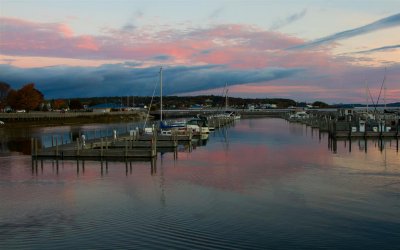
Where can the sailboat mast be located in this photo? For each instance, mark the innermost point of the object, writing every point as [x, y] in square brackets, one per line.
[161, 94]
[384, 90]
[366, 94]
[226, 96]
[384, 99]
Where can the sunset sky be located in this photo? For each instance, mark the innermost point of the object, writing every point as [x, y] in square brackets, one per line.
[303, 50]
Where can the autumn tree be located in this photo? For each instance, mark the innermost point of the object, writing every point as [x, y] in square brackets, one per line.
[12, 98]
[27, 98]
[4, 90]
[75, 104]
[59, 104]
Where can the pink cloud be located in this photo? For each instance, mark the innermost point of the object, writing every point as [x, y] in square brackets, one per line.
[26, 38]
[87, 43]
[234, 46]
[240, 175]
[225, 44]
[65, 30]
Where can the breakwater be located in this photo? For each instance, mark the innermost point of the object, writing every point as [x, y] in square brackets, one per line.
[350, 123]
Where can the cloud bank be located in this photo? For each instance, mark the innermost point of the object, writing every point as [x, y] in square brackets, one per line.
[384, 48]
[384, 23]
[122, 80]
[288, 20]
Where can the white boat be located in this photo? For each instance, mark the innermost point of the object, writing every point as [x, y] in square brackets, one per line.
[233, 114]
[299, 115]
[198, 125]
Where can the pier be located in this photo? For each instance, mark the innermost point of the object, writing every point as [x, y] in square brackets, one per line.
[123, 147]
[348, 123]
[131, 145]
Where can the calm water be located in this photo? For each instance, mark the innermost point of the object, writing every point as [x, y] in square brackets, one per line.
[261, 184]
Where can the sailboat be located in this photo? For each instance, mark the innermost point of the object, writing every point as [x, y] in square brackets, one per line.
[151, 130]
[229, 113]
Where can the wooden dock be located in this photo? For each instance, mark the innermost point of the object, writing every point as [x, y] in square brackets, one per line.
[127, 146]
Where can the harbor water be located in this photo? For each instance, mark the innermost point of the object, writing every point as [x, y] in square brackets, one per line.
[258, 184]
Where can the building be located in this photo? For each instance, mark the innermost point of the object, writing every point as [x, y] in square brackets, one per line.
[106, 107]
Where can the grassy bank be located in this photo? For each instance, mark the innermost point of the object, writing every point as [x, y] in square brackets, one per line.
[55, 119]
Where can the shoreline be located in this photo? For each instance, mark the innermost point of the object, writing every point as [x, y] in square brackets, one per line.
[34, 119]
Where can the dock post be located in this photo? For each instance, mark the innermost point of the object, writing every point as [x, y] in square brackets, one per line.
[77, 147]
[154, 140]
[153, 168]
[35, 155]
[350, 130]
[36, 150]
[32, 147]
[350, 145]
[101, 148]
[56, 148]
[126, 148]
[32, 154]
[334, 145]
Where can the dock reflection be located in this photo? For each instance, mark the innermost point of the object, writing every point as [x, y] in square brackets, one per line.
[57, 166]
[363, 144]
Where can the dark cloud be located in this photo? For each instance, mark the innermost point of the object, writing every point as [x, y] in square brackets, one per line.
[162, 57]
[384, 23]
[128, 27]
[288, 20]
[216, 13]
[120, 80]
[385, 48]
[133, 64]
[205, 52]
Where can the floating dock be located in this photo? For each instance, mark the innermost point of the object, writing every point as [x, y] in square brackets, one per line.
[126, 147]
[103, 149]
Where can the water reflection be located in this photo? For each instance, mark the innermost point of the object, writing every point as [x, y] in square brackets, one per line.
[362, 144]
[243, 189]
[57, 167]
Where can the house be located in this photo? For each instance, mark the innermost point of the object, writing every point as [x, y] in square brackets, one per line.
[106, 107]
[196, 106]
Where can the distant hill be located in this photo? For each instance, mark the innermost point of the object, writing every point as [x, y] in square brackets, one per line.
[395, 104]
[355, 105]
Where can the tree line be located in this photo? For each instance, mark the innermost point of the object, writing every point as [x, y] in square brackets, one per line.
[26, 98]
[29, 98]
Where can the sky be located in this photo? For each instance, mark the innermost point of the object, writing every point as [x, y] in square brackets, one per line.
[338, 51]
